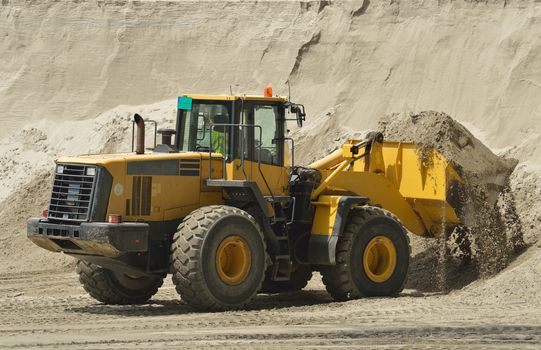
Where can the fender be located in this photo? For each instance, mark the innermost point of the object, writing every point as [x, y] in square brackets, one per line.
[248, 191]
[329, 223]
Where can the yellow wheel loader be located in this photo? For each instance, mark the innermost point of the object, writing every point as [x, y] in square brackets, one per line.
[225, 210]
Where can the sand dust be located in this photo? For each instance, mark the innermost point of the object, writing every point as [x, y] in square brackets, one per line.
[492, 230]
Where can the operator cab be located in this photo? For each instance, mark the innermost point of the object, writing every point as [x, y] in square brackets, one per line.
[246, 133]
[238, 127]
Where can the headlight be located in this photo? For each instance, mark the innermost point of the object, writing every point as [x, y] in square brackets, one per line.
[91, 171]
[60, 169]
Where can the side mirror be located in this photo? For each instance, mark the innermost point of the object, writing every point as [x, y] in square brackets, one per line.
[299, 112]
[300, 117]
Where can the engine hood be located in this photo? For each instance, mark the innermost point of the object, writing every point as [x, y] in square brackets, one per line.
[107, 159]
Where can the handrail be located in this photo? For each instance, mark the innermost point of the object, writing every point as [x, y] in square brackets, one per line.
[241, 128]
[292, 158]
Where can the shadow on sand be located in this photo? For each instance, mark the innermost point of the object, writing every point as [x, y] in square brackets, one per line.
[429, 274]
[177, 307]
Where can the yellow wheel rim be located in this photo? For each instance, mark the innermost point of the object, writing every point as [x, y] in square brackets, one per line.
[379, 259]
[233, 260]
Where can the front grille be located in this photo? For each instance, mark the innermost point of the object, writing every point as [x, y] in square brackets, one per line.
[72, 194]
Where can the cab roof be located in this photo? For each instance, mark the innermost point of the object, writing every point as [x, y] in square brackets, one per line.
[236, 97]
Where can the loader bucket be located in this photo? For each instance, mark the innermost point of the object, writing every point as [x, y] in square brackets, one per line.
[418, 185]
[426, 179]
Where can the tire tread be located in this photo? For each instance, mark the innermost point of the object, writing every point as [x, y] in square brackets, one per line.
[337, 278]
[97, 283]
[185, 255]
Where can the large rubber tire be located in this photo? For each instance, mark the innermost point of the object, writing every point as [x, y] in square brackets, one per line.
[349, 279]
[300, 276]
[194, 263]
[112, 287]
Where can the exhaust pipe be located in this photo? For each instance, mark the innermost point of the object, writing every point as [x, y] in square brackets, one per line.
[140, 138]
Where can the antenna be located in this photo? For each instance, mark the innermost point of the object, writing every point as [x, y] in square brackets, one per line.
[231, 89]
[288, 91]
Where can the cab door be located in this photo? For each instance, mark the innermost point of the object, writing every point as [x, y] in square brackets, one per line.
[264, 145]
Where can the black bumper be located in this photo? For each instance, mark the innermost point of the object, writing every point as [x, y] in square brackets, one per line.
[93, 238]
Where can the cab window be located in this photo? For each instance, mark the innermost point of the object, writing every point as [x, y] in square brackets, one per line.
[266, 132]
[200, 131]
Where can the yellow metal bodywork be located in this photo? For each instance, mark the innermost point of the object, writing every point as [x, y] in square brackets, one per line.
[276, 177]
[413, 185]
[325, 215]
[393, 176]
[173, 197]
[398, 176]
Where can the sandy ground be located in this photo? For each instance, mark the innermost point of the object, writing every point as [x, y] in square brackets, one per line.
[40, 312]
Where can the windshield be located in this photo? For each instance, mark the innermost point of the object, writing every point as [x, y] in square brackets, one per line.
[199, 130]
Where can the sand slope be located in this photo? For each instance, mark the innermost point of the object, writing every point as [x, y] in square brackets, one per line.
[477, 61]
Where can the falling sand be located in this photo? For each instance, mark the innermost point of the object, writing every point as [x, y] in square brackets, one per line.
[491, 232]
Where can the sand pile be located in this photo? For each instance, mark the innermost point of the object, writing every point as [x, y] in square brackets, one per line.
[18, 253]
[320, 137]
[497, 197]
[31, 150]
[526, 188]
[492, 230]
